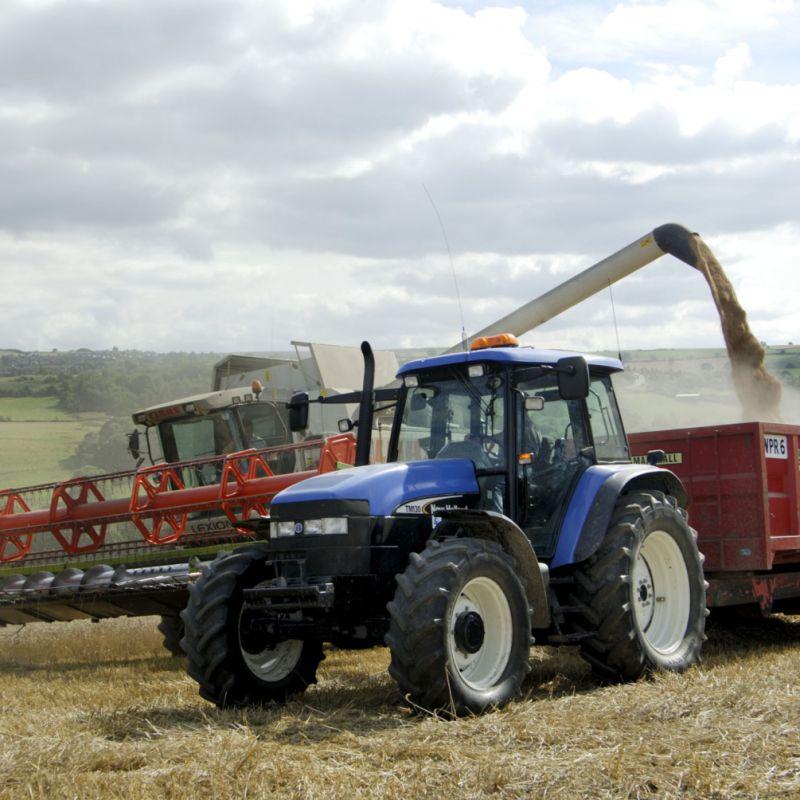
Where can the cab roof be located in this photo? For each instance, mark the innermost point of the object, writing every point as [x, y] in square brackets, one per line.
[509, 355]
[196, 405]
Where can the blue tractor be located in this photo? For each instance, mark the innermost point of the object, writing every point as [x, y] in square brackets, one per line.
[508, 511]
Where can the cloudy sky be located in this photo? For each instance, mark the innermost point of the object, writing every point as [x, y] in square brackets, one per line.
[227, 176]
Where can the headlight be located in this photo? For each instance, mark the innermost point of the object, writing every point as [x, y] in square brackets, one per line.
[312, 527]
[285, 528]
[334, 525]
[315, 527]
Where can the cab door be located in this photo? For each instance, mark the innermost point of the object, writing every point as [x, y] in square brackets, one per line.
[552, 449]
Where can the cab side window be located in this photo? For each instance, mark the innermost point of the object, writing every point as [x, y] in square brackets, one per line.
[605, 421]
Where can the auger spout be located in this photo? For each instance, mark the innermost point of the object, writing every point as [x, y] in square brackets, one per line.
[670, 238]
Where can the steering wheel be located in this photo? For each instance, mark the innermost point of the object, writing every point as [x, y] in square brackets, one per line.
[492, 448]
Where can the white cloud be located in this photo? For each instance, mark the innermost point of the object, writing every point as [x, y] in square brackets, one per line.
[730, 66]
[642, 31]
[220, 175]
[689, 21]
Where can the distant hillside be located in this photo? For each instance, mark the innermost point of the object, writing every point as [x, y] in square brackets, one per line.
[114, 382]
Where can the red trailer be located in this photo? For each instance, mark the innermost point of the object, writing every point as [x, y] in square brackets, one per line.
[743, 482]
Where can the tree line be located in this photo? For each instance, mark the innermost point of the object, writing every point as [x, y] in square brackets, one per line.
[121, 387]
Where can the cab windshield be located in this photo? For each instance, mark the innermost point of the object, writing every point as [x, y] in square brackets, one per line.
[200, 437]
[264, 425]
[452, 415]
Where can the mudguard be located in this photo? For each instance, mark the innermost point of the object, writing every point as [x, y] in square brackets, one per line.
[498, 528]
[593, 501]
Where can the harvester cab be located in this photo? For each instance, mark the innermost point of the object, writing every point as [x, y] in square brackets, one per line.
[508, 505]
[216, 423]
[248, 407]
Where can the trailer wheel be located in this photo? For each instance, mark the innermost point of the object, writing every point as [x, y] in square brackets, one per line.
[232, 672]
[171, 629]
[643, 592]
[460, 627]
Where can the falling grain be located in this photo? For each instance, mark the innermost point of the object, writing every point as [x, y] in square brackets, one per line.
[758, 390]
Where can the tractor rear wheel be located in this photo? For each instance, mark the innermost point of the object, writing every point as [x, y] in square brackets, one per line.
[233, 671]
[171, 629]
[460, 627]
[643, 591]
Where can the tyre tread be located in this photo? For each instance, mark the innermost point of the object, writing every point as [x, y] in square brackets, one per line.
[602, 586]
[220, 672]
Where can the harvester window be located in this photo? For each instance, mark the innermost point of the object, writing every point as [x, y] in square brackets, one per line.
[194, 438]
[199, 437]
[264, 426]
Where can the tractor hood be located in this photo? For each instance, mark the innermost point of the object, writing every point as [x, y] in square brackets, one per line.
[385, 486]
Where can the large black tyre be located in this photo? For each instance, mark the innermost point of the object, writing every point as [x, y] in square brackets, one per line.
[229, 674]
[171, 629]
[643, 591]
[460, 627]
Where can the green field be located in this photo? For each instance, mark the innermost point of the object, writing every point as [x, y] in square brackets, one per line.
[37, 438]
[33, 409]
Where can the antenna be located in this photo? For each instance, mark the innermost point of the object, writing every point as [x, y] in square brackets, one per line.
[614, 315]
[452, 266]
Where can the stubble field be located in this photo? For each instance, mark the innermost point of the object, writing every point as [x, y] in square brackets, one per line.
[100, 711]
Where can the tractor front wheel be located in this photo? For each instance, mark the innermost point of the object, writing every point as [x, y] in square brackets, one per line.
[231, 668]
[460, 627]
[643, 591]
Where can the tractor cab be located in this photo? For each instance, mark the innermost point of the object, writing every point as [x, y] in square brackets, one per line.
[530, 421]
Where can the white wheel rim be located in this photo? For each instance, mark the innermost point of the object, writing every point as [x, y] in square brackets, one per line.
[484, 668]
[661, 595]
[274, 662]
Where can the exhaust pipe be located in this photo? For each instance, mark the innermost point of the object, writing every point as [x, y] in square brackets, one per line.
[364, 442]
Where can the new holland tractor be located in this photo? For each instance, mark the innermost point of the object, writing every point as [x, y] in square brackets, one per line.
[508, 511]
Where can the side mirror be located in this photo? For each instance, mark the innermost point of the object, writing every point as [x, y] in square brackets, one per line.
[656, 457]
[134, 447]
[573, 377]
[298, 412]
[534, 403]
[345, 425]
